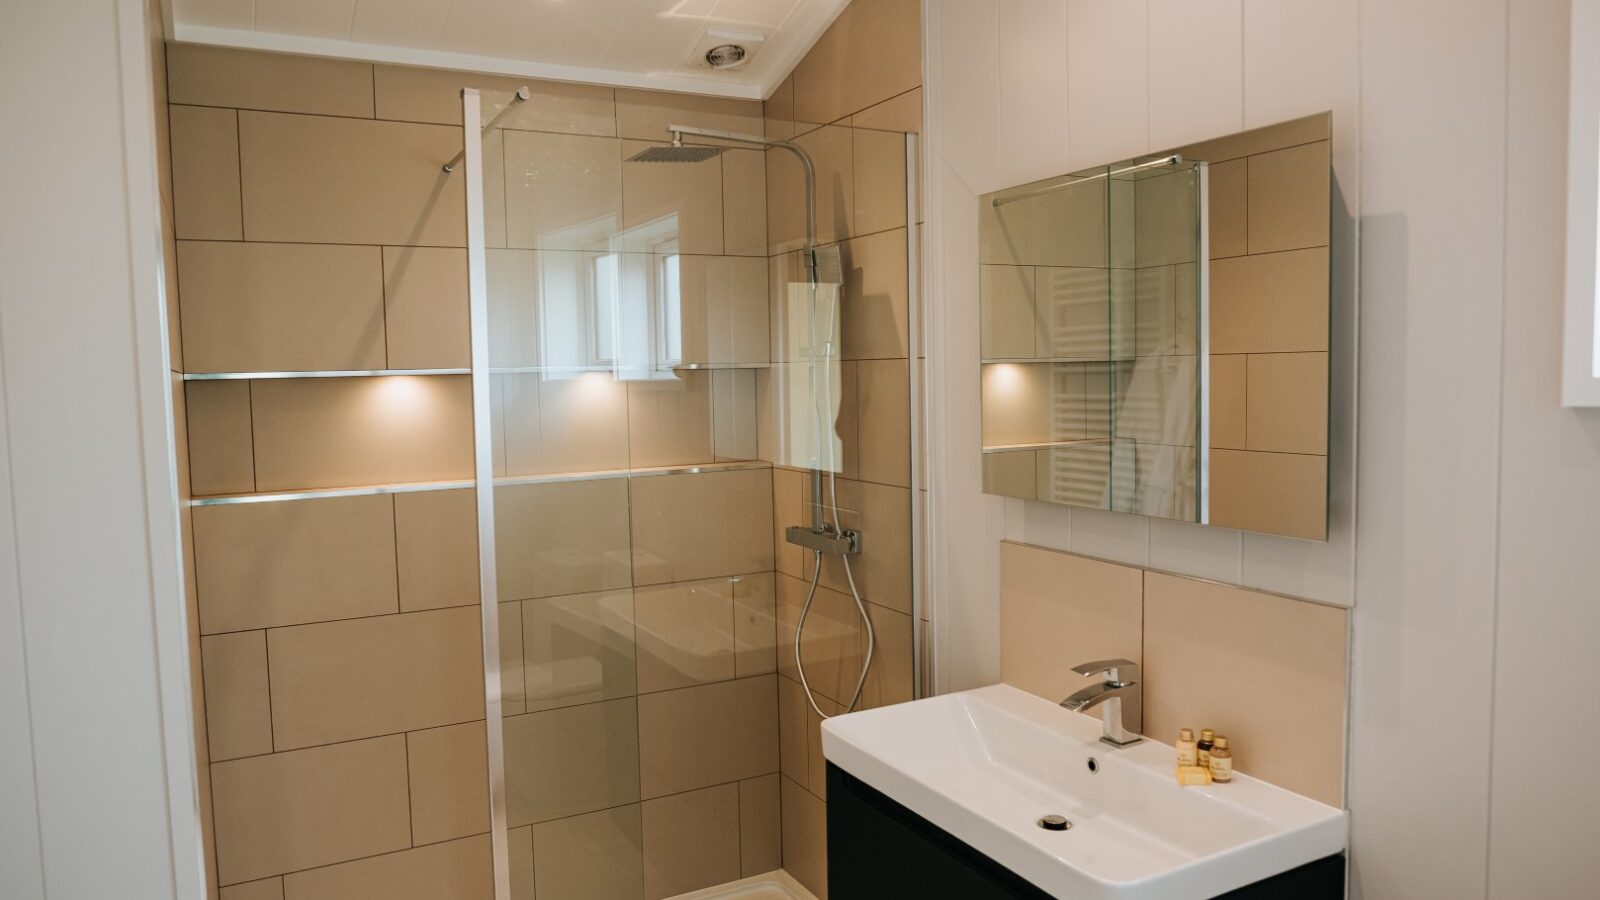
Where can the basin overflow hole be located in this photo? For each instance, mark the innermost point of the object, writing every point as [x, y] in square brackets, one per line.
[1094, 765]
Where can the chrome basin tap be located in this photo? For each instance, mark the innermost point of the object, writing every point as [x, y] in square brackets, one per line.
[1122, 683]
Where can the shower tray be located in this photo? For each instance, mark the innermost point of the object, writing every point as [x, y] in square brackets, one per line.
[774, 885]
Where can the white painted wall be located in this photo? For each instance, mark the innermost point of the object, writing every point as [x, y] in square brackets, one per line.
[1473, 573]
[97, 785]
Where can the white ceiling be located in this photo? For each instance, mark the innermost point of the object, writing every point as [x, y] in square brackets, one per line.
[636, 43]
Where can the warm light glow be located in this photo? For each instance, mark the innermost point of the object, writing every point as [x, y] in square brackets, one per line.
[399, 394]
[1006, 376]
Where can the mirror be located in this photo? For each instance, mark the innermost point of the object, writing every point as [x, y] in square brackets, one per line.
[1155, 333]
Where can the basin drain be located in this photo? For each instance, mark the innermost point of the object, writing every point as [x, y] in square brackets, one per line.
[1055, 823]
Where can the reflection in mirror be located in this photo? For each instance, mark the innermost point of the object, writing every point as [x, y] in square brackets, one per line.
[1154, 334]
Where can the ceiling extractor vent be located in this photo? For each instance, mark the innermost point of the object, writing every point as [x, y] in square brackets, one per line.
[726, 56]
[725, 49]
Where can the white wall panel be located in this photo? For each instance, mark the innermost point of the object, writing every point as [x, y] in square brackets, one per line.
[1108, 97]
[1033, 107]
[1196, 70]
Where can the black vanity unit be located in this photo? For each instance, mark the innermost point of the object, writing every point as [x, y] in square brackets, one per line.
[880, 850]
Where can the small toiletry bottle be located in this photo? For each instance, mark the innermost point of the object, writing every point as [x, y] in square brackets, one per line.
[1221, 761]
[1187, 754]
[1203, 748]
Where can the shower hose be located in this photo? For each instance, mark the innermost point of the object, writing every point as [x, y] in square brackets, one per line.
[822, 406]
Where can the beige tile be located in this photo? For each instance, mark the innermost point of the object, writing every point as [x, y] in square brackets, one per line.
[876, 306]
[645, 115]
[221, 458]
[724, 309]
[1226, 205]
[329, 180]
[1006, 326]
[889, 678]
[1155, 312]
[289, 811]
[1270, 303]
[238, 701]
[513, 690]
[1288, 402]
[1018, 404]
[900, 113]
[563, 191]
[564, 424]
[338, 681]
[883, 401]
[578, 648]
[744, 203]
[1289, 198]
[794, 722]
[817, 776]
[720, 504]
[709, 734]
[425, 308]
[259, 565]
[337, 432]
[457, 870]
[805, 838]
[669, 420]
[670, 207]
[573, 538]
[1058, 610]
[568, 761]
[833, 639]
[880, 180]
[520, 853]
[598, 856]
[1012, 473]
[449, 772]
[871, 52]
[691, 841]
[760, 827]
[205, 174]
[1228, 396]
[1272, 493]
[788, 486]
[514, 295]
[1066, 227]
[883, 568]
[495, 194]
[1073, 313]
[265, 889]
[412, 94]
[218, 76]
[755, 624]
[779, 110]
[1315, 127]
[436, 536]
[1275, 678]
[1186, 295]
[735, 417]
[685, 634]
[255, 307]
[1165, 216]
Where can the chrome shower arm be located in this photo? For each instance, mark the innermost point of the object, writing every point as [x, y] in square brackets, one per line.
[679, 131]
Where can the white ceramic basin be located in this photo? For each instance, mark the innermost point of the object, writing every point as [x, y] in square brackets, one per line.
[985, 765]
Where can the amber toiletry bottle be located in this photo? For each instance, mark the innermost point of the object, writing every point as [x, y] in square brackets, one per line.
[1221, 761]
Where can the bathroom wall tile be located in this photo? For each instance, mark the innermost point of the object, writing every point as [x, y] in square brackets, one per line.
[724, 309]
[338, 681]
[289, 811]
[1275, 682]
[1155, 313]
[494, 201]
[645, 115]
[1067, 227]
[760, 826]
[1228, 399]
[1073, 312]
[871, 52]
[735, 415]
[794, 747]
[709, 734]
[414, 94]
[1058, 610]
[1290, 193]
[831, 149]
[889, 678]
[1226, 208]
[568, 761]
[1006, 329]
[237, 700]
[817, 777]
[778, 110]
[1304, 130]
[805, 838]
[685, 634]
[520, 853]
[578, 648]
[883, 569]
[265, 889]
[899, 113]
[329, 180]
[1018, 402]
[456, 870]
[669, 420]
[247, 79]
[449, 777]
[337, 432]
[205, 173]
[425, 308]
[755, 624]
[221, 458]
[879, 179]
[744, 202]
[514, 295]
[255, 307]
[562, 538]
[721, 504]
[846, 419]
[513, 691]
[1270, 303]
[691, 841]
[565, 424]
[832, 644]
[1288, 402]
[1275, 493]
[591, 857]
[667, 202]
[259, 565]
[1108, 81]
[788, 486]
[883, 404]
[436, 537]
[1011, 474]
[876, 306]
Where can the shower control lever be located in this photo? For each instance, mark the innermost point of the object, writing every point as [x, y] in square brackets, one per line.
[827, 541]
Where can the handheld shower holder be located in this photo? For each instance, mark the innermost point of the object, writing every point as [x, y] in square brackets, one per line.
[827, 541]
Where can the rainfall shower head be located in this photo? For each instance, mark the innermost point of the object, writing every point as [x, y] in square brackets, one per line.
[677, 153]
